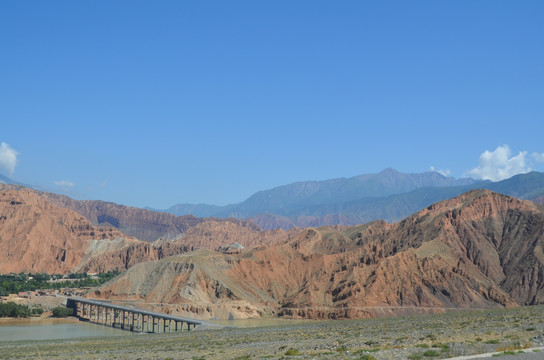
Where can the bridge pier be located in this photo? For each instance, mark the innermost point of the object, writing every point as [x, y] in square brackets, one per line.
[129, 318]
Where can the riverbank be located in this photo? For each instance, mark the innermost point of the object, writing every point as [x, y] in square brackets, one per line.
[412, 337]
[37, 320]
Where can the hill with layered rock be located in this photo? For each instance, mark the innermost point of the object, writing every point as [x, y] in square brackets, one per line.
[478, 250]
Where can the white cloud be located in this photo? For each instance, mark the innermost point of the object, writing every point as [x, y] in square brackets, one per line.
[538, 157]
[443, 172]
[499, 164]
[8, 158]
[64, 183]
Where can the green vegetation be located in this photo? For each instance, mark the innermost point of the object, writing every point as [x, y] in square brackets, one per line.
[11, 309]
[367, 357]
[61, 311]
[15, 283]
[431, 353]
[292, 352]
[444, 347]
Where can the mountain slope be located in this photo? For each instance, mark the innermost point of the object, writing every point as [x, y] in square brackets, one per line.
[143, 224]
[479, 250]
[39, 237]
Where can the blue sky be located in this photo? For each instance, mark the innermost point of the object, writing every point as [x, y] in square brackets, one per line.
[157, 103]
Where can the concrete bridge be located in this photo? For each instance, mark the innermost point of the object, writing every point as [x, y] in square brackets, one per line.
[132, 319]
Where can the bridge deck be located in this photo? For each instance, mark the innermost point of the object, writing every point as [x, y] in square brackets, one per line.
[130, 318]
[140, 311]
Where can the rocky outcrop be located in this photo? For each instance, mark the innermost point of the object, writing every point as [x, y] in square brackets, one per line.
[479, 250]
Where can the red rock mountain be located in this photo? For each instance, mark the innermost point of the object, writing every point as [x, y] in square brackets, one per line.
[39, 237]
[479, 250]
[139, 223]
[120, 255]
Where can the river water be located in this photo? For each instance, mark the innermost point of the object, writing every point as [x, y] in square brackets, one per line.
[51, 329]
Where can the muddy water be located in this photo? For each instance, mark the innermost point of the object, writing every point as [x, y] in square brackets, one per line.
[51, 329]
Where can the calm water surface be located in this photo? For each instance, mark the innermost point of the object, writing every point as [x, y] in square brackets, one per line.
[53, 329]
[50, 329]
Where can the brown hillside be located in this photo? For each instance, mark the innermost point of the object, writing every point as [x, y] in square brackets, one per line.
[479, 250]
[142, 224]
[39, 237]
[121, 254]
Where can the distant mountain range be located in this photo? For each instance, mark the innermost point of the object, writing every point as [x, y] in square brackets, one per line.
[389, 195]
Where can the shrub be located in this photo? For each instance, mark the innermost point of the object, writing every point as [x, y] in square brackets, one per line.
[62, 312]
[37, 311]
[292, 352]
[431, 353]
[11, 309]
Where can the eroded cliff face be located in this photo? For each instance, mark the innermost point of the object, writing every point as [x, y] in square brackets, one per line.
[36, 236]
[479, 250]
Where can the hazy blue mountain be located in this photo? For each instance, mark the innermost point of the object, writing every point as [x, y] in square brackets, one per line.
[199, 210]
[389, 195]
[524, 186]
[292, 198]
[9, 181]
[396, 207]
